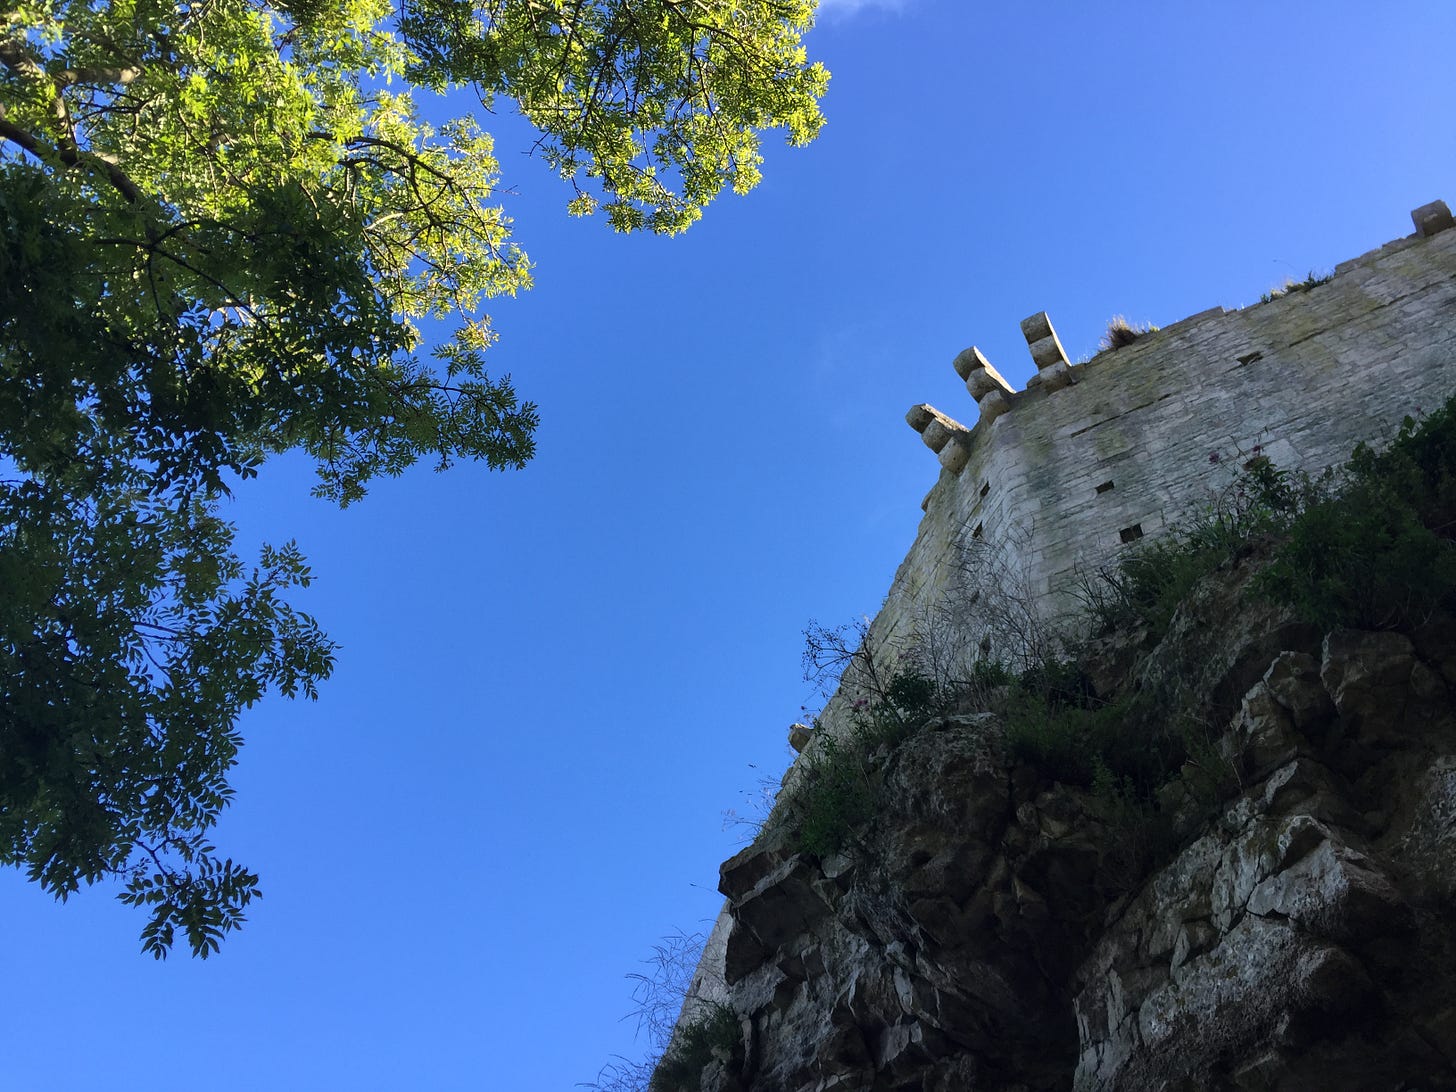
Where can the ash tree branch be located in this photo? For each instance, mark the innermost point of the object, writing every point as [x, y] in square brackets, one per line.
[72, 157]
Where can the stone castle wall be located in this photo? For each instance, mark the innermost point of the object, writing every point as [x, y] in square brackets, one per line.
[1059, 477]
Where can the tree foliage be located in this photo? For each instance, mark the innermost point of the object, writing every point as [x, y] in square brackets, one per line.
[222, 226]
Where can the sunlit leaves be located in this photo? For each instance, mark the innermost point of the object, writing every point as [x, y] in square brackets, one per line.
[224, 225]
[247, 225]
[652, 107]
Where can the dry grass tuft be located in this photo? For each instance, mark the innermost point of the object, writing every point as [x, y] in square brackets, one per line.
[1120, 332]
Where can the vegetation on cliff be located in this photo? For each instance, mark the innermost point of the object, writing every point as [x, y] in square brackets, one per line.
[1371, 545]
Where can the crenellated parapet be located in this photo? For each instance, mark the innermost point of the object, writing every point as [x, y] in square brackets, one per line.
[994, 396]
[951, 440]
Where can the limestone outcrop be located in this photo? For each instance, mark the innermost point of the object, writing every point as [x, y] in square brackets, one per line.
[1287, 923]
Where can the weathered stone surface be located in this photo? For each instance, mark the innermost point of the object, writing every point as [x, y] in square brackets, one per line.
[956, 453]
[1299, 937]
[986, 380]
[1293, 680]
[1262, 735]
[799, 736]
[1368, 677]
[1432, 218]
[1330, 891]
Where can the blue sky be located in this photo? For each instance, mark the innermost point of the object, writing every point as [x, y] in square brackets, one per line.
[553, 683]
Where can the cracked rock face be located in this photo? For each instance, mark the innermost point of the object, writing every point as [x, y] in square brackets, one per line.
[1299, 934]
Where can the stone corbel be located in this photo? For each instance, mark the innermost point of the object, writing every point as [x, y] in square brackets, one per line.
[945, 436]
[1052, 368]
[985, 384]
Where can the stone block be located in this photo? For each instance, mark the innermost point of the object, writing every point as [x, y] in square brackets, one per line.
[935, 428]
[993, 405]
[1041, 338]
[936, 435]
[986, 381]
[970, 360]
[917, 417]
[956, 453]
[1431, 219]
[1036, 327]
[1047, 353]
[1056, 375]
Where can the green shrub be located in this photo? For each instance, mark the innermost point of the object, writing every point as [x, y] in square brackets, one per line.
[1160, 576]
[911, 692]
[987, 675]
[1054, 740]
[1123, 751]
[1365, 560]
[835, 797]
[838, 791]
[716, 1030]
[1420, 466]
[1207, 774]
[1137, 835]
[1151, 580]
[1060, 683]
[1380, 553]
[1069, 741]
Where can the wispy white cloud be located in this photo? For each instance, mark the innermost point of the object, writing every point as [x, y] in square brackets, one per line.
[843, 8]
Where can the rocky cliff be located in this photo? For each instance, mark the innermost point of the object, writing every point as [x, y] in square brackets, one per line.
[1280, 918]
[1213, 847]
